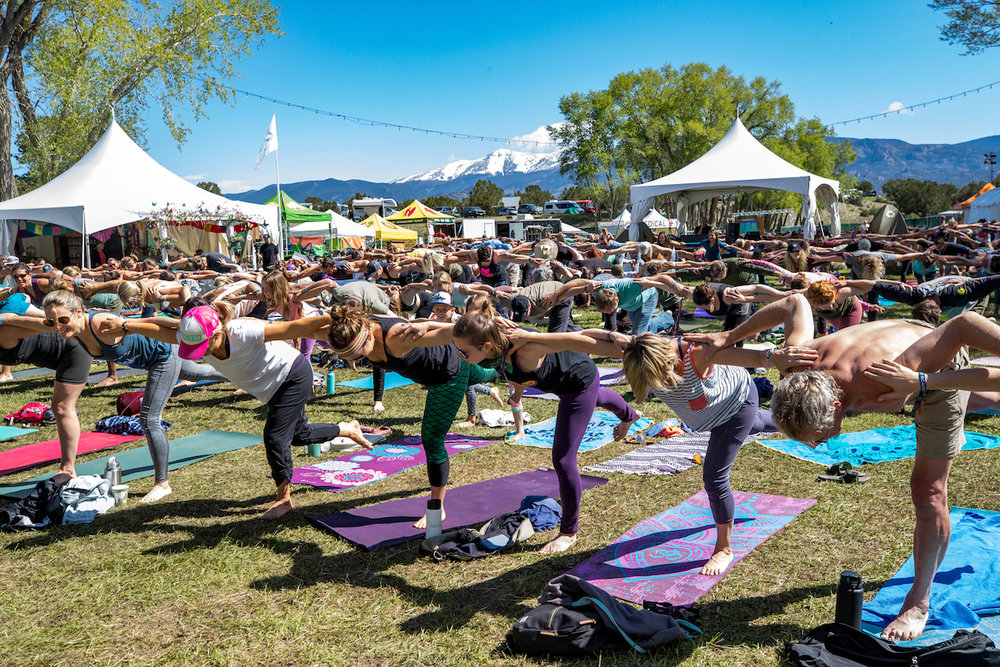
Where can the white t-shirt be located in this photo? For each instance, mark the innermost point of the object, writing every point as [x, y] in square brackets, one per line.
[254, 366]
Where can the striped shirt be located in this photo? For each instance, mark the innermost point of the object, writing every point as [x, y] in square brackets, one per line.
[706, 402]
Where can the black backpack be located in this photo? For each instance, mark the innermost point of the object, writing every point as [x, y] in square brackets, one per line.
[576, 618]
[838, 645]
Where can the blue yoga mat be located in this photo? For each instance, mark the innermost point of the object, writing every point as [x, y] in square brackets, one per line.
[872, 446]
[137, 463]
[8, 432]
[392, 380]
[966, 590]
[599, 432]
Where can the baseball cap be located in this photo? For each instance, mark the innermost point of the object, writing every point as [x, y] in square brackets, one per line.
[794, 246]
[441, 297]
[519, 308]
[197, 326]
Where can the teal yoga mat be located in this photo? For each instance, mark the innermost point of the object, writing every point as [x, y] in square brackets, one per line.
[392, 380]
[873, 446]
[8, 432]
[136, 463]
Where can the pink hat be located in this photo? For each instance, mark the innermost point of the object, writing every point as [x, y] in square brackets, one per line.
[197, 326]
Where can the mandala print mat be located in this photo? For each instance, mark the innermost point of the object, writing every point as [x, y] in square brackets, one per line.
[367, 466]
[610, 375]
[873, 446]
[600, 431]
[659, 558]
[667, 457]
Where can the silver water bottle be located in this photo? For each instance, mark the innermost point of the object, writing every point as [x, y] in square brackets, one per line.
[113, 472]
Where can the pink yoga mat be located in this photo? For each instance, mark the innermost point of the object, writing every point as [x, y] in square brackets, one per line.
[986, 361]
[48, 451]
[659, 559]
[389, 523]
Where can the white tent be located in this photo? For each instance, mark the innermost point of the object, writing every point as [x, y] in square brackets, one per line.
[738, 163]
[986, 205]
[116, 183]
[338, 227]
[624, 218]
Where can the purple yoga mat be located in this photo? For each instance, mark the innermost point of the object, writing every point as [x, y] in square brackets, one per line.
[659, 558]
[367, 466]
[389, 523]
[610, 375]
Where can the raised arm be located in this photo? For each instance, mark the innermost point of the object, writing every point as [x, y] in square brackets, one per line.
[793, 312]
[666, 283]
[304, 327]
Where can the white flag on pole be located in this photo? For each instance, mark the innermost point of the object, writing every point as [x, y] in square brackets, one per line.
[270, 142]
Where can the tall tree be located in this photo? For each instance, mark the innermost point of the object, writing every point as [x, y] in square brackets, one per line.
[534, 194]
[485, 194]
[72, 63]
[211, 187]
[974, 24]
[651, 122]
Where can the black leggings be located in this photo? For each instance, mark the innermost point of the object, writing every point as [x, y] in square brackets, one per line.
[952, 296]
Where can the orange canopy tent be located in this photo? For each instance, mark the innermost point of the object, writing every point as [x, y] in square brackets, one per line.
[965, 204]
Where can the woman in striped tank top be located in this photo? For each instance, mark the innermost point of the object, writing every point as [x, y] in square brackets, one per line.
[711, 397]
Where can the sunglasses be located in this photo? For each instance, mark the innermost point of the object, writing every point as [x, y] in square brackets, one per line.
[465, 355]
[18, 276]
[64, 320]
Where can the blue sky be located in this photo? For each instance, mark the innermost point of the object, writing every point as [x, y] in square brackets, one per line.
[500, 69]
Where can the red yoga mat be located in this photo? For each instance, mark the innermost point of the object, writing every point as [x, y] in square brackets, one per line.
[45, 452]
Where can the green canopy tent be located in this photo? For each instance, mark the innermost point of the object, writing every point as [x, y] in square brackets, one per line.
[293, 212]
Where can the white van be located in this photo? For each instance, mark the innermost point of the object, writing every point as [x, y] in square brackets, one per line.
[557, 206]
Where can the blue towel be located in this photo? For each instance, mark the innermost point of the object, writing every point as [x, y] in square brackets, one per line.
[872, 446]
[392, 380]
[966, 591]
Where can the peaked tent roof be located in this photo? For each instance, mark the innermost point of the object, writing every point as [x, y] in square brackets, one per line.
[335, 226]
[387, 231]
[115, 183]
[294, 212]
[418, 212]
[986, 207]
[738, 163]
[986, 188]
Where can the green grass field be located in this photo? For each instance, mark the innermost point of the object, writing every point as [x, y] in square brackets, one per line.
[198, 578]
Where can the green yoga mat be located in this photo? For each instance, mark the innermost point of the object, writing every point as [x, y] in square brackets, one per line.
[136, 463]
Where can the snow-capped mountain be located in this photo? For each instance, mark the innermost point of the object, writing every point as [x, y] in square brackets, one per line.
[501, 162]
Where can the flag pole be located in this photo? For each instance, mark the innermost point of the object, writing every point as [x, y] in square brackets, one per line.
[281, 206]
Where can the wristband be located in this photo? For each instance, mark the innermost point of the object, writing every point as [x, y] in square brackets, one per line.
[608, 334]
[918, 405]
[515, 404]
[125, 326]
[767, 355]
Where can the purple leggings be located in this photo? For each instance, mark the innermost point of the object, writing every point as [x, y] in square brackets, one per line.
[724, 444]
[572, 419]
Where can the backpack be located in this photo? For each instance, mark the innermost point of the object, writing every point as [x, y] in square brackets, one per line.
[576, 618]
[32, 413]
[468, 543]
[129, 403]
[839, 645]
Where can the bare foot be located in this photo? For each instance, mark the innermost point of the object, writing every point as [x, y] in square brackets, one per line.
[908, 625]
[622, 427]
[718, 563]
[63, 475]
[422, 521]
[159, 490]
[468, 423]
[6, 378]
[560, 544]
[352, 430]
[239, 392]
[279, 509]
[185, 383]
[495, 395]
[107, 382]
[378, 407]
[513, 436]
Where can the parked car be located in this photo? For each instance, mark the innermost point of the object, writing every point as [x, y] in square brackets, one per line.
[529, 209]
[559, 207]
[473, 212]
[446, 210]
[507, 210]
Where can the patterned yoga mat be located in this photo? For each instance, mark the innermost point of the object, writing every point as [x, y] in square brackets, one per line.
[667, 457]
[610, 375]
[599, 432]
[872, 446]
[367, 466]
[659, 559]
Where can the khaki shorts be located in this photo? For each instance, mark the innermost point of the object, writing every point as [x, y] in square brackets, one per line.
[941, 422]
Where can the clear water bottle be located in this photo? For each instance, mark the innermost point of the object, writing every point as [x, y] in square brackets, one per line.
[850, 598]
[433, 518]
[113, 472]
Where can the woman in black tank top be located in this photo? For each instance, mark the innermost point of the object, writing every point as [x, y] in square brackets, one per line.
[565, 370]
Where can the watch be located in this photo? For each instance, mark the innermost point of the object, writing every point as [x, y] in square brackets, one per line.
[125, 328]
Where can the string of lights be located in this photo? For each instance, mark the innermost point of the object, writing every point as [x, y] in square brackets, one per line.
[381, 123]
[918, 105]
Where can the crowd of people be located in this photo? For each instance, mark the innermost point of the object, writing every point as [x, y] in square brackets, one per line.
[451, 316]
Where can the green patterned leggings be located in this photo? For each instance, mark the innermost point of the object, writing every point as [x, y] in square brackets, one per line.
[443, 403]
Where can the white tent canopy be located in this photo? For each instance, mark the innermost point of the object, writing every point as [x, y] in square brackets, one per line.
[337, 227]
[738, 163]
[116, 183]
[986, 205]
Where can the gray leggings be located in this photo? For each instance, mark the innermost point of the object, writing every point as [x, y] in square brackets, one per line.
[160, 381]
[471, 398]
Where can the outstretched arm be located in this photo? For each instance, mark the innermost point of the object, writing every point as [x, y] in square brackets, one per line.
[666, 283]
[590, 341]
[793, 312]
[305, 327]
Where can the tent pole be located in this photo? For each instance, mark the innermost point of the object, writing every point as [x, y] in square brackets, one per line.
[84, 241]
[281, 207]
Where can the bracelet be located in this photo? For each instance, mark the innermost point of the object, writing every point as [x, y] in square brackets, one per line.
[516, 408]
[767, 355]
[608, 334]
[125, 326]
[918, 404]
[514, 404]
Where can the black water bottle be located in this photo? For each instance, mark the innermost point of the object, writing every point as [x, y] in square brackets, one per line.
[850, 598]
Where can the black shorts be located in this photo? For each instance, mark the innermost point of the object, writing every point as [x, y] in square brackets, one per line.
[68, 358]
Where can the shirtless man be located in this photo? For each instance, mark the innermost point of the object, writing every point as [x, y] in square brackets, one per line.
[809, 406]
